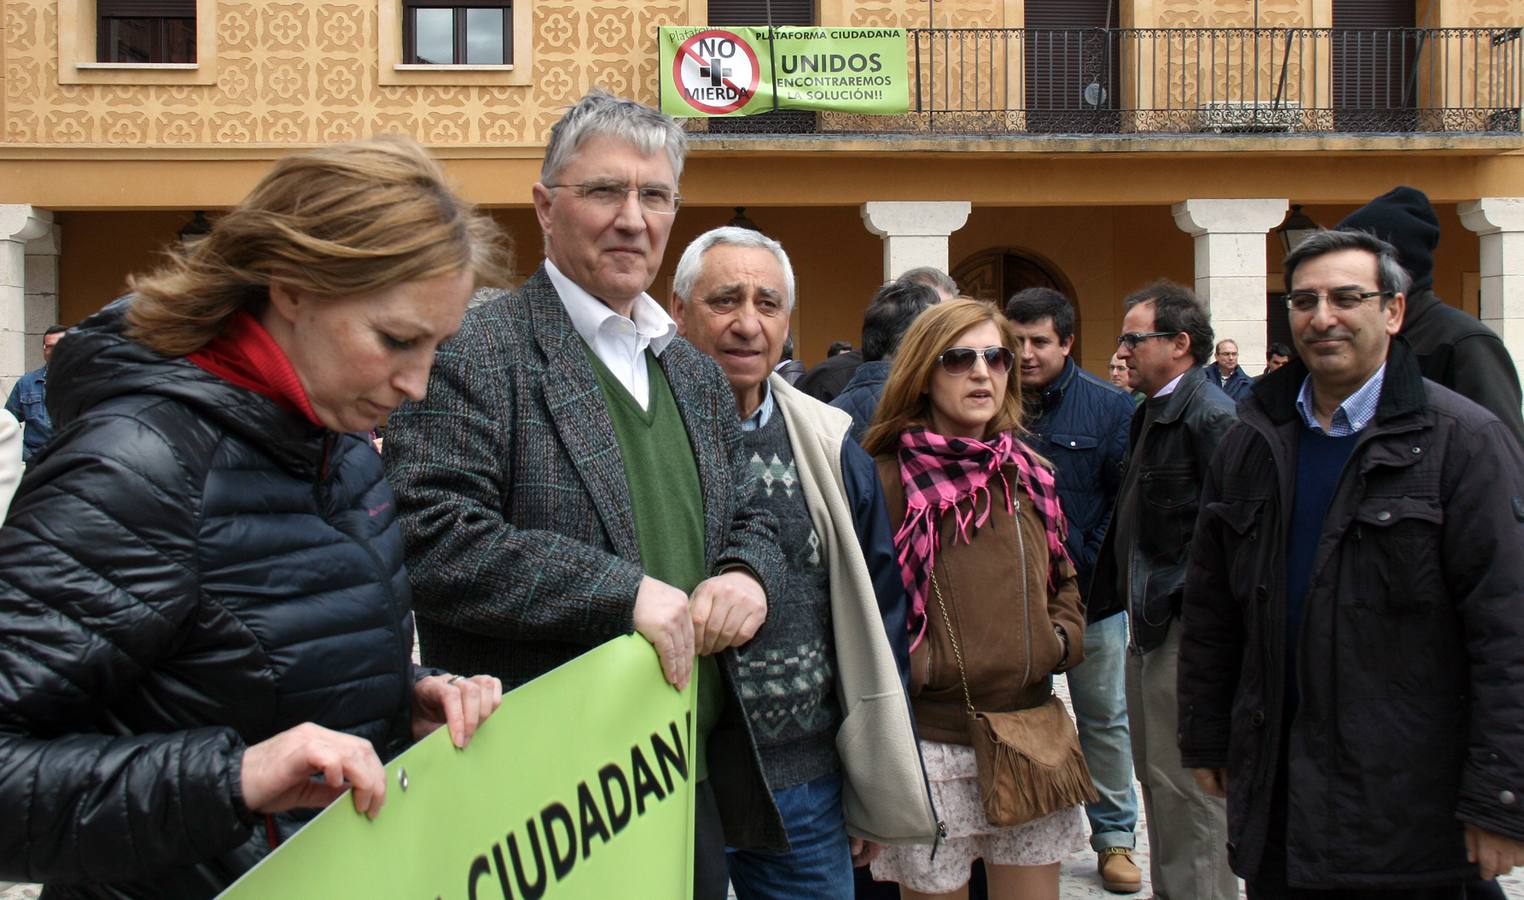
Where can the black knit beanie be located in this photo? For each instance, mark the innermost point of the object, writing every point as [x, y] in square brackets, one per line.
[1404, 218]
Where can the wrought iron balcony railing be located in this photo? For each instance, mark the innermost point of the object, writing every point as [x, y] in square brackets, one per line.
[1207, 81]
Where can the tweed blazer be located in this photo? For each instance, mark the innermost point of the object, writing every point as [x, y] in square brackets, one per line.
[515, 510]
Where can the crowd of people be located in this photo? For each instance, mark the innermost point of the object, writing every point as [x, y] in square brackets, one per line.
[1286, 606]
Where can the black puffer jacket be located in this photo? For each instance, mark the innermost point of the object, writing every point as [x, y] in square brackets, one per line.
[187, 569]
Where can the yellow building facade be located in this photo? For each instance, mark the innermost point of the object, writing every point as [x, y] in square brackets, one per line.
[1167, 138]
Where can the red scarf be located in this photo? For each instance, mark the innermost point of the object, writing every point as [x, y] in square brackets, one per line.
[938, 474]
[245, 355]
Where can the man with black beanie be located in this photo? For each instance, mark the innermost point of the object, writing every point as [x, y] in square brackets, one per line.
[1453, 347]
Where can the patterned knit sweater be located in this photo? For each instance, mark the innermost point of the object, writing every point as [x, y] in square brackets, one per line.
[786, 674]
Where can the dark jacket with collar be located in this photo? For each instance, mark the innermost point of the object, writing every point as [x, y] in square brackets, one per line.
[861, 395]
[1456, 350]
[1170, 470]
[517, 515]
[1238, 384]
[1410, 661]
[1080, 424]
[187, 569]
[829, 376]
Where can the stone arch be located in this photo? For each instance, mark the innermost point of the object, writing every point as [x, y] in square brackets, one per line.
[995, 273]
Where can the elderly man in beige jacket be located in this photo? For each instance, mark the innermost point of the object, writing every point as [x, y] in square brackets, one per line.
[824, 675]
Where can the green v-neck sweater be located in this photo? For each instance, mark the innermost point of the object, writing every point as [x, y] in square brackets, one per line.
[668, 505]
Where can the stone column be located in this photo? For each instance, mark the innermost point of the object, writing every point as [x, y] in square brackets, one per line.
[1230, 267]
[1500, 222]
[20, 223]
[914, 233]
[41, 291]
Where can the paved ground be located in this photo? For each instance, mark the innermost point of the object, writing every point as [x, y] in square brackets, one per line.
[1079, 878]
[1078, 881]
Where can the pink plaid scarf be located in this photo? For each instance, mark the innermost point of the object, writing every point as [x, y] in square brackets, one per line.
[938, 474]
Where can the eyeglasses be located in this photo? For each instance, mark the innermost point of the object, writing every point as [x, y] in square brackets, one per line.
[1133, 338]
[960, 360]
[1307, 301]
[660, 200]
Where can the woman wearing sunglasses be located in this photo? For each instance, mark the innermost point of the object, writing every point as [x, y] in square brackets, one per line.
[994, 609]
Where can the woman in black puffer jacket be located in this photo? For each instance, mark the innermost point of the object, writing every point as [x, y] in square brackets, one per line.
[205, 629]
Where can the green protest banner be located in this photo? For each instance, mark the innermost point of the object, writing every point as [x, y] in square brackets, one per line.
[739, 70]
[578, 786]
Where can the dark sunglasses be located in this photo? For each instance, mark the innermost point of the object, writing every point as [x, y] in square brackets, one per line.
[959, 360]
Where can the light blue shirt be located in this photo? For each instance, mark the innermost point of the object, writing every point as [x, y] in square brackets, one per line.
[764, 411]
[1351, 416]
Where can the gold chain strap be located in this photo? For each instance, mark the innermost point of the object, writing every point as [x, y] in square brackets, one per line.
[968, 700]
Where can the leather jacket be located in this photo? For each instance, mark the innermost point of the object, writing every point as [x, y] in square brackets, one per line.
[1004, 627]
[1167, 483]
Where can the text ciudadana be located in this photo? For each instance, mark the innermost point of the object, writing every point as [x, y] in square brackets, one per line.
[559, 837]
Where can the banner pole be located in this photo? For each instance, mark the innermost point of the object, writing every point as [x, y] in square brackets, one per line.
[772, 59]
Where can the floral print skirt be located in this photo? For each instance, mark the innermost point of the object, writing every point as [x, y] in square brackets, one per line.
[953, 774]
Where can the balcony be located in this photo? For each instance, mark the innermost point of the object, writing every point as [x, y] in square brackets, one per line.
[1199, 82]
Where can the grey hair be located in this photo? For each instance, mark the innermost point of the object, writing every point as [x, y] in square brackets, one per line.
[692, 261]
[932, 277]
[600, 113]
[1390, 275]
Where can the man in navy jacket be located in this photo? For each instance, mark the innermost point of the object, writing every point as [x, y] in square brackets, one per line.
[1226, 371]
[1080, 423]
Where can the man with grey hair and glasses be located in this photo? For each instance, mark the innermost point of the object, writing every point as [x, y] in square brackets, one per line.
[576, 471]
[1352, 668]
[823, 680]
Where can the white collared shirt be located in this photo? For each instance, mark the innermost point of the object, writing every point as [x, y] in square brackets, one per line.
[1170, 388]
[620, 343]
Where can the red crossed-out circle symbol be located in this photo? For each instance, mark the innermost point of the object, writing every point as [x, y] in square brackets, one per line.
[716, 72]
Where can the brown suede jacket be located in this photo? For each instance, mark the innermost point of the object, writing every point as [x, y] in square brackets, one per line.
[1009, 648]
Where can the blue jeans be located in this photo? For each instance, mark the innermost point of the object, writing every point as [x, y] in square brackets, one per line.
[819, 861]
[1098, 690]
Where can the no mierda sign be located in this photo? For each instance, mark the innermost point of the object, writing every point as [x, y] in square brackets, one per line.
[742, 70]
[716, 72]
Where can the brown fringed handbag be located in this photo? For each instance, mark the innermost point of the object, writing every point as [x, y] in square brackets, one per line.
[1030, 762]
